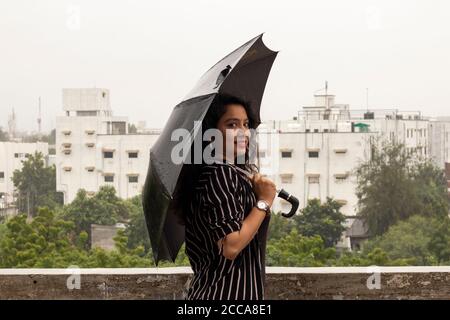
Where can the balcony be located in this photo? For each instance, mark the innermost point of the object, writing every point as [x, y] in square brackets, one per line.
[281, 283]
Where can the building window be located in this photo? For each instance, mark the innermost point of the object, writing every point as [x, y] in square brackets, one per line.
[313, 154]
[316, 130]
[16, 155]
[108, 154]
[340, 178]
[109, 178]
[133, 179]
[313, 180]
[286, 178]
[132, 155]
[262, 154]
[286, 154]
[307, 130]
[2, 175]
[86, 113]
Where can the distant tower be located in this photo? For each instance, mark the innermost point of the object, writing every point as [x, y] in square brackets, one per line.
[12, 122]
[39, 119]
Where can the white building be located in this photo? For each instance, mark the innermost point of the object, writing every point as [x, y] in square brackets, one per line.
[439, 140]
[11, 156]
[314, 155]
[93, 147]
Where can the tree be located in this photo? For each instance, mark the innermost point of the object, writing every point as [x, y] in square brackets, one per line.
[439, 244]
[137, 228]
[132, 128]
[409, 239]
[49, 138]
[431, 189]
[295, 250]
[324, 220]
[51, 242]
[3, 135]
[36, 244]
[279, 226]
[36, 185]
[103, 208]
[395, 184]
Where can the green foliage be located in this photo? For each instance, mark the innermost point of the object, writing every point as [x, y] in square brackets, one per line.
[410, 240]
[324, 220]
[36, 185]
[299, 251]
[35, 244]
[439, 244]
[395, 184]
[50, 242]
[279, 226]
[3, 135]
[132, 128]
[104, 208]
[50, 138]
[137, 229]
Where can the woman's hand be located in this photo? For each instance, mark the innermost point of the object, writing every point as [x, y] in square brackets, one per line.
[264, 188]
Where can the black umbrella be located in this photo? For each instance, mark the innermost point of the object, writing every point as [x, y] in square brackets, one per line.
[243, 73]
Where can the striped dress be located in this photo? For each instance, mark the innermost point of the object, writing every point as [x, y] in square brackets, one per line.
[223, 198]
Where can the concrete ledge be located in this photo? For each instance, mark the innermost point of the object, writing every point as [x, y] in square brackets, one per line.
[281, 283]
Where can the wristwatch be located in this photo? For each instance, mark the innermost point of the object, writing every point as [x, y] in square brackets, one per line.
[263, 205]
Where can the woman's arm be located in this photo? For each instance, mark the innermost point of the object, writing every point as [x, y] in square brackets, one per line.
[235, 242]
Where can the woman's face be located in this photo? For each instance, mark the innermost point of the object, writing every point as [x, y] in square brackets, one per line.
[234, 126]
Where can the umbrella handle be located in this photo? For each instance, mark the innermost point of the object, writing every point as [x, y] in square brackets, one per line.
[283, 194]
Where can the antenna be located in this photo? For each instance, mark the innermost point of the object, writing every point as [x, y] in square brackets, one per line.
[367, 99]
[39, 119]
[12, 124]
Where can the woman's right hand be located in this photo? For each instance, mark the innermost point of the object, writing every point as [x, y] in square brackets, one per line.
[264, 188]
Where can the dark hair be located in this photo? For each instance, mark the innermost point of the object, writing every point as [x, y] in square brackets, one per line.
[219, 107]
[190, 172]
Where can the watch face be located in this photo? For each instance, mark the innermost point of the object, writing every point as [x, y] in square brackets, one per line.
[261, 205]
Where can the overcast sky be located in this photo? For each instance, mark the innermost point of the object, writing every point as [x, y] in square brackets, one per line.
[150, 53]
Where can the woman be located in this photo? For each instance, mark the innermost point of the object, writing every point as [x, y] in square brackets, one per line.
[226, 214]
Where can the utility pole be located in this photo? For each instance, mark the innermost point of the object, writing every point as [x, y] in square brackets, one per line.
[39, 119]
[367, 99]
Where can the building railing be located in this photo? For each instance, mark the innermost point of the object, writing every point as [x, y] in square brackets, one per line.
[281, 283]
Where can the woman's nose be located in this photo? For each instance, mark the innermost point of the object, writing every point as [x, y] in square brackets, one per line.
[243, 131]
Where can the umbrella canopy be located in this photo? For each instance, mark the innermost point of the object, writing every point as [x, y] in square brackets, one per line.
[242, 73]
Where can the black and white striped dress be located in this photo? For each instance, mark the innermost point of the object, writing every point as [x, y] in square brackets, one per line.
[223, 198]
